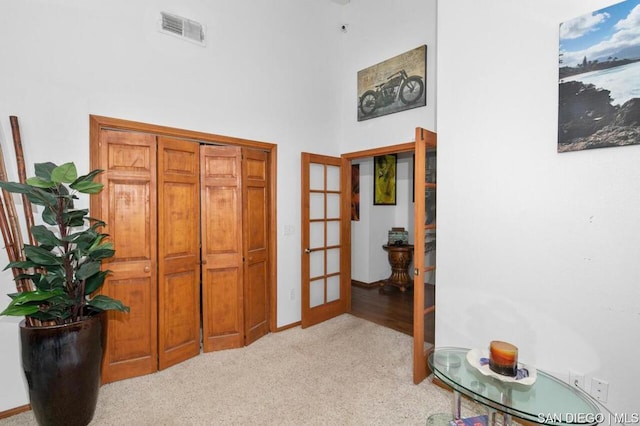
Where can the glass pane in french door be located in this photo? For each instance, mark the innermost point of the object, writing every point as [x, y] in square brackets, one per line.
[324, 233]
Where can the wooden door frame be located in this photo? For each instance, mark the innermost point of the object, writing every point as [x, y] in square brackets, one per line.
[98, 123]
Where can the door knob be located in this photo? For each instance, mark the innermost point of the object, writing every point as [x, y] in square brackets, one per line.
[307, 250]
[147, 269]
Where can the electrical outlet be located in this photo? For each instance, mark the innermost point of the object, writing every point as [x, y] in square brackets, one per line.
[599, 389]
[292, 294]
[576, 379]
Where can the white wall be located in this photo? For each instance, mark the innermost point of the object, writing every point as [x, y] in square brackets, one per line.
[534, 247]
[379, 30]
[13, 391]
[267, 73]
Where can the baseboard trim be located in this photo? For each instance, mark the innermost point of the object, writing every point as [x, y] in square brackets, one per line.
[288, 326]
[14, 411]
[375, 284]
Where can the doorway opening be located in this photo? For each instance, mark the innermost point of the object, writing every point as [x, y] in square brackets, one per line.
[422, 304]
[372, 298]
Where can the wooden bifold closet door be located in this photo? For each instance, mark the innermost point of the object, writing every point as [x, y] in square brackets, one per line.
[178, 251]
[189, 223]
[235, 247]
[256, 244]
[222, 272]
[128, 206]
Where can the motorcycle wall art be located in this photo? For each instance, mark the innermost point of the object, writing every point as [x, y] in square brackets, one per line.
[394, 85]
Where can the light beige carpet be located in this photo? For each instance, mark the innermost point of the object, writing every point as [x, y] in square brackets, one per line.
[345, 371]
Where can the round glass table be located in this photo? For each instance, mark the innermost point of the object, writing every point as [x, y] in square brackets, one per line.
[548, 400]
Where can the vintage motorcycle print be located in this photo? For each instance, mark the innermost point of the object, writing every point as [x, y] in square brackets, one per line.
[399, 85]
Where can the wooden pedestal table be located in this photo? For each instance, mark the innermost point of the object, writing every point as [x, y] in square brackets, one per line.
[399, 258]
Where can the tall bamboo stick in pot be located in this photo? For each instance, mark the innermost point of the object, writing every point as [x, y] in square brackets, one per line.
[22, 175]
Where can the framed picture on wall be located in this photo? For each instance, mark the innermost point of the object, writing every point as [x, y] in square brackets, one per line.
[396, 84]
[384, 180]
[599, 79]
[355, 192]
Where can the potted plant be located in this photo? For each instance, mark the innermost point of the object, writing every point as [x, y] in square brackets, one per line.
[64, 331]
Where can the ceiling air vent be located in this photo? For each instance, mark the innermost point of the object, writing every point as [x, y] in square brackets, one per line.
[182, 27]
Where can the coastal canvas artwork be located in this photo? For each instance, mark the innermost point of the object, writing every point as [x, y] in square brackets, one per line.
[599, 79]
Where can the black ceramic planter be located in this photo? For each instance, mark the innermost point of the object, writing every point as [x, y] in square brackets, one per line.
[62, 367]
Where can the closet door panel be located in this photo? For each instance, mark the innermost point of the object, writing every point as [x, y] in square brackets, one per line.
[221, 229]
[223, 319]
[128, 206]
[130, 336]
[178, 251]
[256, 247]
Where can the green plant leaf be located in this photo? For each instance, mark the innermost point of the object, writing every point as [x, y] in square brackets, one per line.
[49, 217]
[83, 239]
[62, 191]
[43, 170]
[43, 316]
[87, 269]
[105, 303]
[40, 183]
[41, 256]
[36, 296]
[74, 217]
[57, 313]
[53, 279]
[56, 308]
[41, 197]
[27, 277]
[102, 252]
[19, 188]
[44, 236]
[48, 247]
[70, 199]
[37, 280]
[87, 187]
[22, 264]
[98, 240]
[89, 176]
[96, 223]
[65, 173]
[20, 311]
[94, 282]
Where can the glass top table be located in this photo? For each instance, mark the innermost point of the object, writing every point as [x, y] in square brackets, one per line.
[548, 400]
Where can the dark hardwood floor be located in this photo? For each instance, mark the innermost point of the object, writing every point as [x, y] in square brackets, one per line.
[392, 308]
